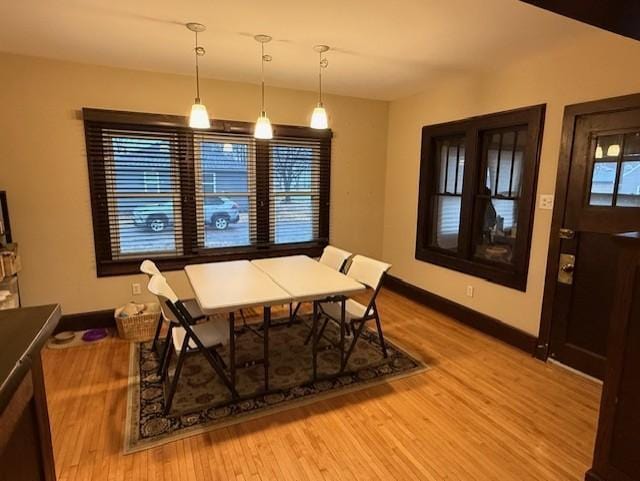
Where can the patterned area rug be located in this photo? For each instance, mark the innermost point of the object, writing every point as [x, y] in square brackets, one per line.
[202, 403]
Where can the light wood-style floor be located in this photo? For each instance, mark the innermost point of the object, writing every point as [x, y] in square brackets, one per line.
[485, 411]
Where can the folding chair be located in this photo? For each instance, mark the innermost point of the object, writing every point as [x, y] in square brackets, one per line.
[331, 257]
[189, 338]
[369, 272]
[149, 268]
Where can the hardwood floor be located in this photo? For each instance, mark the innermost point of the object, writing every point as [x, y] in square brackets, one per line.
[485, 411]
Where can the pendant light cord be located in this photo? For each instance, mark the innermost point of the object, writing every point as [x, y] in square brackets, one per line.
[197, 71]
[262, 70]
[320, 79]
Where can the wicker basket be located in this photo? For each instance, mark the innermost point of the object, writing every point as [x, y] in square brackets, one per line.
[140, 327]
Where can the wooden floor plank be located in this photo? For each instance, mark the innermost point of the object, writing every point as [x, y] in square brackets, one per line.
[483, 411]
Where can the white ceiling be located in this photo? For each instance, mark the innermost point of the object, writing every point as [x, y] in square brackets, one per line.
[381, 49]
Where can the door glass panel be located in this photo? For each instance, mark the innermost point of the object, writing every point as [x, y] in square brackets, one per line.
[629, 185]
[602, 183]
[607, 148]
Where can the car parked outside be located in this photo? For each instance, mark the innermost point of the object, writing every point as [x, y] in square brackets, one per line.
[219, 212]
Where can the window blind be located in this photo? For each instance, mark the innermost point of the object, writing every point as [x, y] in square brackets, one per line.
[296, 188]
[163, 191]
[137, 176]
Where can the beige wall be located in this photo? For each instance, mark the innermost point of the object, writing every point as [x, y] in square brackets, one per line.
[594, 66]
[43, 165]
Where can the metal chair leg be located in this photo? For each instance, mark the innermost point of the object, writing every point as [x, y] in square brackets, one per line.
[165, 351]
[356, 336]
[164, 367]
[154, 346]
[379, 326]
[176, 376]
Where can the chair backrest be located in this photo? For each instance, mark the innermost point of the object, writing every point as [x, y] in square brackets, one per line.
[160, 288]
[334, 257]
[367, 271]
[149, 268]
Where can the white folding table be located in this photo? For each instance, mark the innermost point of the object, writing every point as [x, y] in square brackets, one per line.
[228, 286]
[306, 279]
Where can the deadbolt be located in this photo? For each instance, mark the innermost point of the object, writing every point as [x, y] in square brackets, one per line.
[567, 266]
[567, 233]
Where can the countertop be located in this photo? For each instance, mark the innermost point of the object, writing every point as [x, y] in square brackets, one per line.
[23, 332]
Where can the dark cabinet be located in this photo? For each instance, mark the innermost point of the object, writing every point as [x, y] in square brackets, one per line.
[617, 453]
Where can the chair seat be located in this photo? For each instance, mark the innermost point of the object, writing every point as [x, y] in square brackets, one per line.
[353, 310]
[210, 333]
[193, 308]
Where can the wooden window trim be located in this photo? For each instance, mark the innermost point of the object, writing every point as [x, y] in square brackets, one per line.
[107, 266]
[514, 275]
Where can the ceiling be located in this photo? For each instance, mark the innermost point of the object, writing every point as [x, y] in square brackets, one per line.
[380, 49]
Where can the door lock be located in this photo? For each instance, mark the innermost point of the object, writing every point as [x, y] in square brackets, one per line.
[567, 233]
[566, 268]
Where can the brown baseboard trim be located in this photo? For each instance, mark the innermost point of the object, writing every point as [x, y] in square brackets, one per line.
[86, 320]
[591, 475]
[477, 320]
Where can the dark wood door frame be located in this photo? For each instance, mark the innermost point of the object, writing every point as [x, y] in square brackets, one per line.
[571, 115]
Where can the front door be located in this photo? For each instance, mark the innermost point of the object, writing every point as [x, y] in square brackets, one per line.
[603, 197]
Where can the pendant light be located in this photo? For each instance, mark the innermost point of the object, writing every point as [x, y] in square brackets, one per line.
[199, 118]
[319, 116]
[263, 128]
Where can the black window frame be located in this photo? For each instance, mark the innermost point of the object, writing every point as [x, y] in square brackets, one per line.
[106, 265]
[462, 259]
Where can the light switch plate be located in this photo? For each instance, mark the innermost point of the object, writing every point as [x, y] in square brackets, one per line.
[135, 289]
[546, 201]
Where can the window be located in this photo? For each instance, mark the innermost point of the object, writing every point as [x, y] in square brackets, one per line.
[615, 177]
[179, 196]
[477, 194]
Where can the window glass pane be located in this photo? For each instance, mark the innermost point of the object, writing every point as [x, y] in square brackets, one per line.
[632, 146]
[499, 229]
[602, 183]
[460, 169]
[629, 185]
[504, 173]
[146, 224]
[451, 165]
[504, 163]
[226, 193]
[138, 172]
[295, 193]
[447, 221]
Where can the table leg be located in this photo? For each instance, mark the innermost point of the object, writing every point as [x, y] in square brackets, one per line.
[232, 348]
[342, 326]
[314, 340]
[265, 336]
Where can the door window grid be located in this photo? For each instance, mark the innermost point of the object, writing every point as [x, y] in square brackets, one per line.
[615, 171]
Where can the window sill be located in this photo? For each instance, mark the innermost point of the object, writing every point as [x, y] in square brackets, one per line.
[132, 266]
[507, 276]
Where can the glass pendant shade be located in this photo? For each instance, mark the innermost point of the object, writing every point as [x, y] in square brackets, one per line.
[319, 118]
[199, 118]
[263, 128]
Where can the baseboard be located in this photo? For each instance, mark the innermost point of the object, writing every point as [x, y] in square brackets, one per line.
[86, 320]
[477, 320]
[591, 475]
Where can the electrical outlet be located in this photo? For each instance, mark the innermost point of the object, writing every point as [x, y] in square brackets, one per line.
[546, 201]
[469, 291]
[135, 288]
